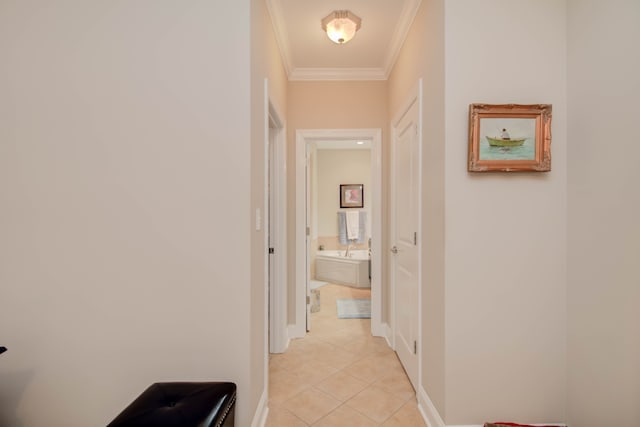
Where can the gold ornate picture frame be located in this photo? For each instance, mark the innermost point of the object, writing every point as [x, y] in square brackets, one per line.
[509, 138]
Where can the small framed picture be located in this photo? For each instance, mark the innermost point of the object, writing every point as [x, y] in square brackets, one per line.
[509, 138]
[351, 195]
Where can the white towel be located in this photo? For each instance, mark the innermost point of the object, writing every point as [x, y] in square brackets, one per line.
[342, 228]
[353, 224]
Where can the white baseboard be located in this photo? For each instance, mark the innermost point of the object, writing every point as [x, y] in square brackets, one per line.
[283, 345]
[428, 410]
[433, 419]
[262, 411]
[295, 331]
[387, 334]
[279, 342]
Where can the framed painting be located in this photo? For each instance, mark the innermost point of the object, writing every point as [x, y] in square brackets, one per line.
[509, 138]
[351, 195]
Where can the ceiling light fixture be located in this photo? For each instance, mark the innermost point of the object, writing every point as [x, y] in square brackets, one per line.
[341, 25]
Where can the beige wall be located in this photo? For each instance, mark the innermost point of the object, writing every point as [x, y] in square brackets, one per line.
[506, 234]
[265, 64]
[604, 207]
[120, 132]
[337, 167]
[487, 334]
[422, 57]
[125, 158]
[313, 105]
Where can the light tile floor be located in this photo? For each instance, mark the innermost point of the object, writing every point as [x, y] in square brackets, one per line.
[339, 375]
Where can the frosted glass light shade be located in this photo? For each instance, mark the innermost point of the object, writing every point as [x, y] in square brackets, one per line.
[341, 26]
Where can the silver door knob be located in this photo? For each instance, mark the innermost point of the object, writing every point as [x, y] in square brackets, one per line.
[394, 250]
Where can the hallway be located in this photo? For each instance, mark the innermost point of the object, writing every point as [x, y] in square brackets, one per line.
[339, 375]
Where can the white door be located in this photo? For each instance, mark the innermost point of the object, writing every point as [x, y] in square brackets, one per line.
[276, 224]
[274, 346]
[307, 273]
[405, 233]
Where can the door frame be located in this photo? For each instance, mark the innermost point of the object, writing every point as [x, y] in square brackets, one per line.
[415, 96]
[303, 136]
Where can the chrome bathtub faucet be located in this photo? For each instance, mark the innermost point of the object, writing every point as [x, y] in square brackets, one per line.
[347, 254]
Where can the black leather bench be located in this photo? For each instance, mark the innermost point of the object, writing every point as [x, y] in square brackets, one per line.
[181, 404]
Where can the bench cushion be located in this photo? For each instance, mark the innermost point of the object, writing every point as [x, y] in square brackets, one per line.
[184, 404]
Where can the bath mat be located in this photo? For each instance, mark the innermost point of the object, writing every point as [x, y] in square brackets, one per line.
[315, 284]
[358, 308]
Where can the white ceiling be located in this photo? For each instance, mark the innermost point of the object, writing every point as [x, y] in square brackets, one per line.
[308, 54]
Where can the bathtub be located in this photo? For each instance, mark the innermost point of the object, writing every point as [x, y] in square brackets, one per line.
[334, 267]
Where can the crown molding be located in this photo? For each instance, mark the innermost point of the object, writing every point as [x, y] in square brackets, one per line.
[408, 14]
[337, 74]
[279, 29]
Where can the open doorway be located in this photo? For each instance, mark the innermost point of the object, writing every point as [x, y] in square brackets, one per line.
[339, 183]
[306, 142]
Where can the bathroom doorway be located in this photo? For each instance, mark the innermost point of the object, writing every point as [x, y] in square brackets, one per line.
[308, 239]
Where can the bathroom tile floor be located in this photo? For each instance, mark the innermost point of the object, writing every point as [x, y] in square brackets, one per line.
[339, 375]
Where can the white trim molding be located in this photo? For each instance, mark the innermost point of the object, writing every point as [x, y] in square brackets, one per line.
[319, 74]
[262, 412]
[409, 12]
[387, 333]
[282, 38]
[433, 419]
[428, 410]
[294, 330]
